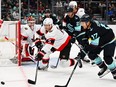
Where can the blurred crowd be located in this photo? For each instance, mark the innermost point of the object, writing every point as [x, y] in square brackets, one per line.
[10, 9]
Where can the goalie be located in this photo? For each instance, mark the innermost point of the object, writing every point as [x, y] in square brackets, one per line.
[27, 36]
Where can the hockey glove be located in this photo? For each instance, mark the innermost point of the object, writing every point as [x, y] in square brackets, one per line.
[38, 43]
[40, 55]
[53, 49]
[73, 40]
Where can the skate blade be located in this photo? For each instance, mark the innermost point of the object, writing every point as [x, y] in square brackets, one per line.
[105, 73]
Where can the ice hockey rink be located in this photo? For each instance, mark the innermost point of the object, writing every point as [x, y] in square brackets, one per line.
[15, 76]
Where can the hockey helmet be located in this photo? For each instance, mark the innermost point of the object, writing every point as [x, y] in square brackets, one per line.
[73, 4]
[69, 9]
[85, 18]
[81, 12]
[47, 11]
[48, 21]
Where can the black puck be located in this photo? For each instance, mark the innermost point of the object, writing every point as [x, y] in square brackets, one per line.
[3, 83]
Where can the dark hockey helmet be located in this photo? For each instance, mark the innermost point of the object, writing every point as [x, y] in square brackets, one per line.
[69, 9]
[47, 11]
[85, 18]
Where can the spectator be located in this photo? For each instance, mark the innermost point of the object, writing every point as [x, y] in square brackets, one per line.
[41, 7]
[8, 17]
[16, 15]
[59, 3]
[24, 20]
[110, 14]
[16, 7]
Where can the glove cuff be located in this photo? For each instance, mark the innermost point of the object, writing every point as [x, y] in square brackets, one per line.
[37, 41]
[42, 53]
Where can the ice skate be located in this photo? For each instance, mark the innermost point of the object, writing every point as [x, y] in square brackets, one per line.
[103, 71]
[113, 71]
[43, 68]
[85, 60]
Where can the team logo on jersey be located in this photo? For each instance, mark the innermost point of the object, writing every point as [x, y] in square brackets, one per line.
[50, 41]
[26, 28]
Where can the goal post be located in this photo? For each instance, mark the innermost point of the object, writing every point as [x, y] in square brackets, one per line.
[11, 47]
[18, 28]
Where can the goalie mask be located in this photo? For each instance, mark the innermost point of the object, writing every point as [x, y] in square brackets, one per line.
[31, 22]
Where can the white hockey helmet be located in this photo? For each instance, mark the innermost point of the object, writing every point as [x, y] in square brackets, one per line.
[48, 21]
[73, 4]
[80, 12]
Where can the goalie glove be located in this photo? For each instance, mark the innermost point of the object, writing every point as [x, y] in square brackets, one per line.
[40, 55]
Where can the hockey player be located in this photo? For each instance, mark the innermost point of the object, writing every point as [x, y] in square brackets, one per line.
[101, 38]
[71, 23]
[77, 11]
[48, 14]
[56, 40]
[28, 35]
[73, 4]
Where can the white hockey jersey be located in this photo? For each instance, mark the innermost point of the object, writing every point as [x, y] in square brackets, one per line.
[28, 33]
[56, 38]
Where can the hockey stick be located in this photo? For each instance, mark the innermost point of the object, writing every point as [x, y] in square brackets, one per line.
[53, 67]
[69, 77]
[72, 71]
[93, 62]
[20, 48]
[81, 48]
[36, 73]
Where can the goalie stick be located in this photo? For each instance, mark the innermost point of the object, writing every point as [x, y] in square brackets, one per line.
[20, 48]
[36, 74]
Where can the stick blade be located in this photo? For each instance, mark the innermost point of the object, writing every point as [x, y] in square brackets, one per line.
[59, 86]
[31, 82]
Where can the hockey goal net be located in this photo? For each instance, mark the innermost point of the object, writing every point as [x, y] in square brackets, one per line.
[10, 43]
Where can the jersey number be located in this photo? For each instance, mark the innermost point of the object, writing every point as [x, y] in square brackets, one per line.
[94, 36]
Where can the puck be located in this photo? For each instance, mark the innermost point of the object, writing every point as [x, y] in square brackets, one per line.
[3, 83]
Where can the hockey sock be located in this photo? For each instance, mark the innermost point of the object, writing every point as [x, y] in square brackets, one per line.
[112, 65]
[98, 60]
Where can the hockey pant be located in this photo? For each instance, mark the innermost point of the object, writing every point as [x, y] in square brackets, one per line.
[64, 58]
[65, 61]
